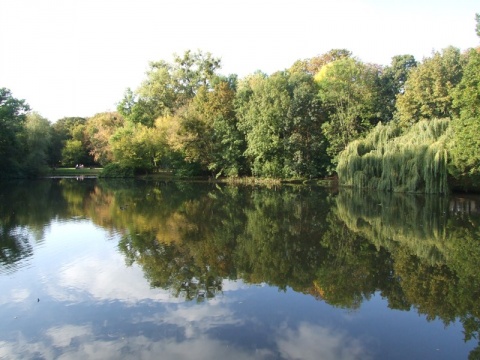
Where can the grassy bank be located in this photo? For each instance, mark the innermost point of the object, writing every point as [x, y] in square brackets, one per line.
[75, 172]
[168, 176]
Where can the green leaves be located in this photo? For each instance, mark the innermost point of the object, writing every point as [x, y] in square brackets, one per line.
[12, 119]
[465, 145]
[388, 160]
[281, 118]
[169, 86]
[348, 91]
[72, 152]
[37, 140]
[429, 88]
[207, 131]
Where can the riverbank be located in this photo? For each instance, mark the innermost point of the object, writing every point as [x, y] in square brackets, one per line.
[73, 172]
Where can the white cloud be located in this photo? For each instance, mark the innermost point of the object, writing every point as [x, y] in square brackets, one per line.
[62, 336]
[105, 279]
[319, 343]
[234, 285]
[19, 295]
[306, 342]
[135, 347]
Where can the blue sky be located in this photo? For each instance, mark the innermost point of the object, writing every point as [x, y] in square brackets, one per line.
[76, 58]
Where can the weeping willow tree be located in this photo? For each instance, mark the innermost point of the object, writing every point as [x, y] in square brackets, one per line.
[390, 159]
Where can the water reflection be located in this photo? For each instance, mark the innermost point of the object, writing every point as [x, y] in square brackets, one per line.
[197, 245]
[301, 343]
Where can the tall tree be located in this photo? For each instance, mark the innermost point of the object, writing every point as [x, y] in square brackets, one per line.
[61, 131]
[465, 145]
[315, 64]
[192, 71]
[98, 131]
[305, 143]
[12, 119]
[348, 90]
[169, 86]
[428, 89]
[37, 141]
[207, 131]
[73, 153]
[281, 117]
[137, 147]
[392, 83]
[262, 106]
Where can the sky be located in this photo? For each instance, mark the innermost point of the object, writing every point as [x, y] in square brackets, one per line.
[76, 58]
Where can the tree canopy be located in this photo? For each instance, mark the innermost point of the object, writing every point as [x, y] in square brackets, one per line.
[348, 91]
[311, 120]
[12, 120]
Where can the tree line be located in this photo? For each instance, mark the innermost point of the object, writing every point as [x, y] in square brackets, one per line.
[327, 115]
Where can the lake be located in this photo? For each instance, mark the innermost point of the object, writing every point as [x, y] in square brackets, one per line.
[132, 269]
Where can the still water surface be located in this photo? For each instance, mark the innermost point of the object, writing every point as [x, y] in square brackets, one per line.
[148, 270]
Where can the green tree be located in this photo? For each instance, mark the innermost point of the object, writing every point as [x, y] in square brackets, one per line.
[262, 108]
[207, 131]
[192, 71]
[465, 162]
[281, 117]
[61, 131]
[428, 89]
[169, 86]
[348, 90]
[138, 147]
[73, 153]
[315, 64]
[392, 83]
[229, 141]
[12, 119]
[391, 160]
[37, 141]
[98, 130]
[305, 143]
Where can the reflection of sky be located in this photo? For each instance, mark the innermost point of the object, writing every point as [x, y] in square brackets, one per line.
[80, 342]
[78, 300]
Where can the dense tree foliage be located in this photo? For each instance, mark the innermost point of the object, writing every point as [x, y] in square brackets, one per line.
[136, 146]
[392, 84]
[281, 118]
[169, 86]
[62, 131]
[12, 120]
[419, 152]
[465, 146]
[314, 65]
[348, 91]
[297, 123]
[70, 144]
[389, 160]
[263, 119]
[207, 131]
[37, 141]
[98, 130]
[429, 88]
[306, 143]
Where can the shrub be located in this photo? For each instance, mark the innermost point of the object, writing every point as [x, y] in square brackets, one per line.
[115, 170]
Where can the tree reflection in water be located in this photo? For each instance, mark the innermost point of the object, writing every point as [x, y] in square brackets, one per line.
[419, 252]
